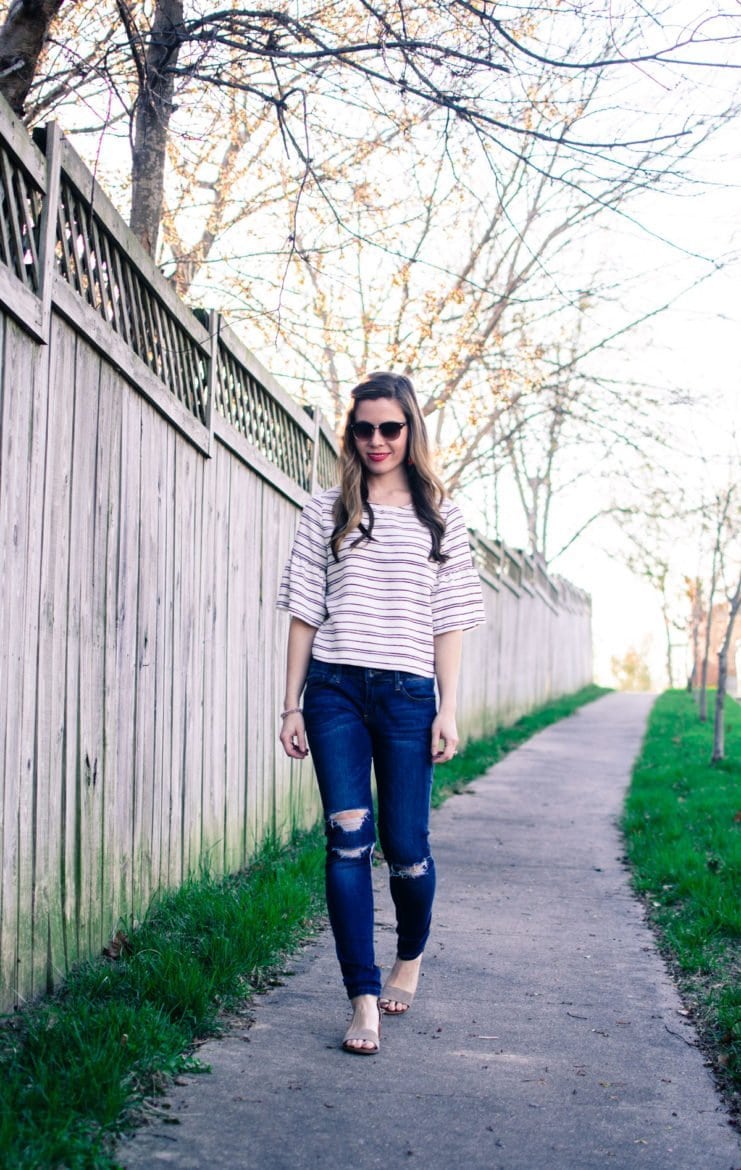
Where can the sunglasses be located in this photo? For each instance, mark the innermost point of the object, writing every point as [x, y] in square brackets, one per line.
[366, 430]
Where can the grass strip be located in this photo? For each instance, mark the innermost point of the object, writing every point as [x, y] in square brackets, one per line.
[682, 826]
[479, 755]
[76, 1068]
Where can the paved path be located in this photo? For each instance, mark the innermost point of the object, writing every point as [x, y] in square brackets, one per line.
[546, 1036]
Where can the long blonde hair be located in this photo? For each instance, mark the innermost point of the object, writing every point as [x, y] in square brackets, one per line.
[426, 487]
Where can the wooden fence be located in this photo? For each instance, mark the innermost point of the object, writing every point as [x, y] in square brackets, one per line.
[151, 474]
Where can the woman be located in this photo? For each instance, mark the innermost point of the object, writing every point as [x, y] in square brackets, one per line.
[380, 586]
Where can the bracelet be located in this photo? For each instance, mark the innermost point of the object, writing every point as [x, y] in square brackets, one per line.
[291, 711]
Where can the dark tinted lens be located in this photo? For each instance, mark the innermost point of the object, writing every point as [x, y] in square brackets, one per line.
[390, 430]
[365, 430]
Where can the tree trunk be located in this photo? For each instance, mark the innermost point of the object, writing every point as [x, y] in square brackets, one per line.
[722, 503]
[668, 635]
[151, 122]
[718, 726]
[706, 650]
[720, 698]
[22, 38]
[695, 589]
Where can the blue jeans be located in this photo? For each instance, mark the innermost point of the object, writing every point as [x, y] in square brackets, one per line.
[355, 716]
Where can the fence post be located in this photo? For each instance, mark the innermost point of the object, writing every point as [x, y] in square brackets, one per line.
[214, 328]
[315, 451]
[48, 229]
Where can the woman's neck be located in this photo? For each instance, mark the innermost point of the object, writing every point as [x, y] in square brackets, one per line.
[396, 493]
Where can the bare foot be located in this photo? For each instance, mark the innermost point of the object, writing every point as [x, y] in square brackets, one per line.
[365, 1016]
[404, 975]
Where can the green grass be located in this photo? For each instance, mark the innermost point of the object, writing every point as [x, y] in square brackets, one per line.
[682, 826]
[481, 754]
[77, 1068]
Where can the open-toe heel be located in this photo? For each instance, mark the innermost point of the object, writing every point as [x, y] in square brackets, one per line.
[370, 1035]
[389, 992]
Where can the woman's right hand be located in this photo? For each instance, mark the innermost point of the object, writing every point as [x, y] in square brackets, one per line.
[293, 736]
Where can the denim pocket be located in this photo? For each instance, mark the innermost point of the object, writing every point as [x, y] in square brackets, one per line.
[322, 673]
[416, 687]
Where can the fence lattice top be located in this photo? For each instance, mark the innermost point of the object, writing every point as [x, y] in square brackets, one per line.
[254, 412]
[20, 219]
[97, 257]
[97, 267]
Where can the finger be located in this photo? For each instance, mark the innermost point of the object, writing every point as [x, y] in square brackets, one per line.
[448, 752]
[440, 754]
[297, 737]
[437, 743]
[296, 752]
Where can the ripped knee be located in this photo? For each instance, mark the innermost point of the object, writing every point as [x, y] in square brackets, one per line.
[345, 824]
[417, 870]
[351, 820]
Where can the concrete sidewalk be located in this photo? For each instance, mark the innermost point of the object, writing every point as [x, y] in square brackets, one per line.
[546, 1034]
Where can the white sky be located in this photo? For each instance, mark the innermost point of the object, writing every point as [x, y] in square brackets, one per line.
[696, 344]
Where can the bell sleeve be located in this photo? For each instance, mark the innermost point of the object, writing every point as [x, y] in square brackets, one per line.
[457, 602]
[303, 586]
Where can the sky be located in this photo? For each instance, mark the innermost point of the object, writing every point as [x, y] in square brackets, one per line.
[694, 345]
[697, 344]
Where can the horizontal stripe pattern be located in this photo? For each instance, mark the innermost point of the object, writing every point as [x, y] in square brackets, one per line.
[384, 601]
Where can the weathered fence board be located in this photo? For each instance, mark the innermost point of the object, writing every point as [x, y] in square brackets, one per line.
[146, 828]
[151, 476]
[20, 541]
[106, 732]
[57, 715]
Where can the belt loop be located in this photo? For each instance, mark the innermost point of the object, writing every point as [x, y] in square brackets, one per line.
[397, 681]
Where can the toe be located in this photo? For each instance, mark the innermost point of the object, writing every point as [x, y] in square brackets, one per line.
[393, 1008]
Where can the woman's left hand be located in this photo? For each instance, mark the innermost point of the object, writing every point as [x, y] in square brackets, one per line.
[444, 738]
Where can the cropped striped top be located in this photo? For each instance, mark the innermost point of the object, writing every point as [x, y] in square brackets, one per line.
[384, 601]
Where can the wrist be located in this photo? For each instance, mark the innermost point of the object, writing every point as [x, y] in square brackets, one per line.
[448, 709]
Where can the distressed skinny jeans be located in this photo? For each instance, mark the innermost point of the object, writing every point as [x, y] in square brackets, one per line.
[356, 717]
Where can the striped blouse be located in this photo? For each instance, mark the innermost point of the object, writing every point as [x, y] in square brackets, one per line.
[384, 601]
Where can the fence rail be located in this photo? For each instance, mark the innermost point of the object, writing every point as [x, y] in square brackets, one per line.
[151, 476]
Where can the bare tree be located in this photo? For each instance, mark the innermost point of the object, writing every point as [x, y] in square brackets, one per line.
[726, 514]
[155, 63]
[22, 40]
[461, 59]
[654, 511]
[437, 226]
[665, 526]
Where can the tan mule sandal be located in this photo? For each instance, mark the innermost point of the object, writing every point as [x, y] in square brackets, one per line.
[398, 995]
[369, 1034]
